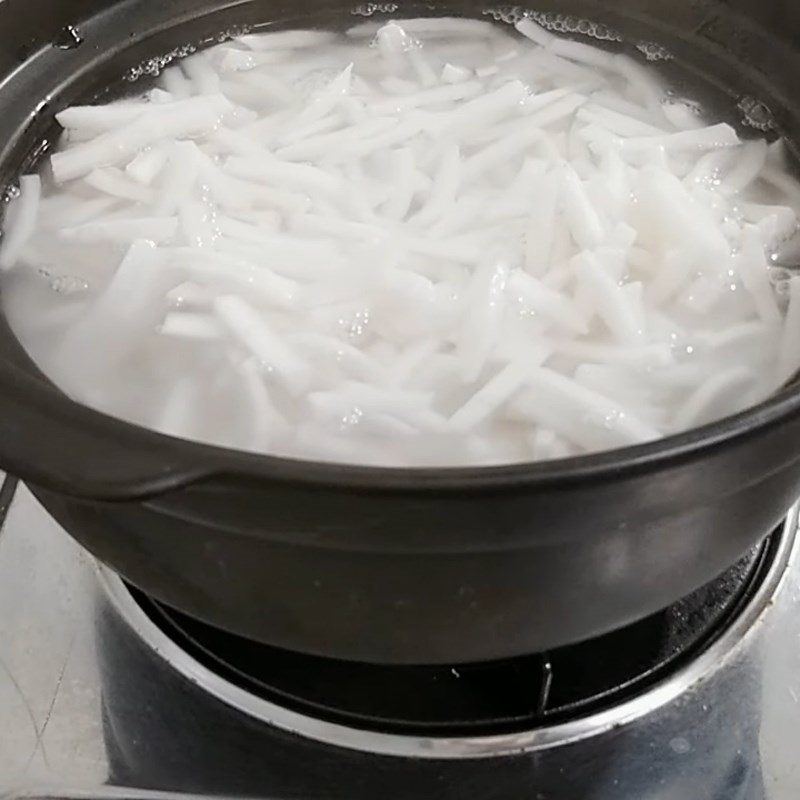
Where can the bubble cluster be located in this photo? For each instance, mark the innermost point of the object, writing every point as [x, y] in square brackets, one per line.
[653, 51]
[68, 284]
[11, 192]
[234, 32]
[555, 22]
[368, 9]
[756, 114]
[153, 66]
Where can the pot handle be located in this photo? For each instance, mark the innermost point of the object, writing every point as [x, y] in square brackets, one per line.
[56, 444]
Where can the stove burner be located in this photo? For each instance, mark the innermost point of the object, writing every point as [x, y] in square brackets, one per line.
[513, 695]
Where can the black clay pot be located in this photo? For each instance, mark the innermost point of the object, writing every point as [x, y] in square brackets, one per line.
[387, 565]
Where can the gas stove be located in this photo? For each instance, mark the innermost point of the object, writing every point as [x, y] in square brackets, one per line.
[106, 693]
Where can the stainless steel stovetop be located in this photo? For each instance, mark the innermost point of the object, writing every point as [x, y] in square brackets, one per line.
[54, 725]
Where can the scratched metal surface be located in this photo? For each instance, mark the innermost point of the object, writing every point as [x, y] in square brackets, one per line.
[50, 729]
[51, 737]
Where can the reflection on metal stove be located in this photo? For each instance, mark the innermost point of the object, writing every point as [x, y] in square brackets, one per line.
[664, 710]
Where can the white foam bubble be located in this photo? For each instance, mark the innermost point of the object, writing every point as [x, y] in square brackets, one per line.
[756, 114]
[653, 51]
[152, 67]
[555, 22]
[368, 9]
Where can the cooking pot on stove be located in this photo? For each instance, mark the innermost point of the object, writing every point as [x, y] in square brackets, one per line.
[381, 565]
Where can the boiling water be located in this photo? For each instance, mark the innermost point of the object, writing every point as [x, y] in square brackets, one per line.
[433, 242]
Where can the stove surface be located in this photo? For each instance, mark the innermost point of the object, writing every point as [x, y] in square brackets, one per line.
[53, 736]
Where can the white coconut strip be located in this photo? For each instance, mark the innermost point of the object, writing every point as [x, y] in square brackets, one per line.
[702, 294]
[233, 59]
[750, 162]
[519, 136]
[328, 98]
[734, 337]
[491, 396]
[175, 83]
[444, 187]
[201, 73]
[195, 221]
[352, 360]
[317, 147]
[404, 183]
[123, 231]
[714, 136]
[614, 101]
[236, 195]
[584, 222]
[20, 221]
[410, 407]
[182, 119]
[433, 27]
[674, 268]
[398, 135]
[435, 96]
[389, 401]
[286, 40]
[582, 53]
[113, 181]
[248, 232]
[502, 151]
[251, 330]
[616, 122]
[76, 211]
[265, 167]
[613, 305]
[699, 408]
[776, 223]
[558, 309]
[674, 215]
[535, 32]
[147, 165]
[394, 85]
[753, 268]
[550, 113]
[179, 177]
[642, 83]
[102, 118]
[618, 383]
[486, 109]
[264, 89]
[182, 410]
[236, 272]
[127, 311]
[651, 355]
[579, 414]
[192, 326]
[447, 249]
[266, 131]
[190, 296]
[265, 421]
[709, 167]
[452, 73]
[422, 68]
[338, 229]
[288, 256]
[484, 310]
